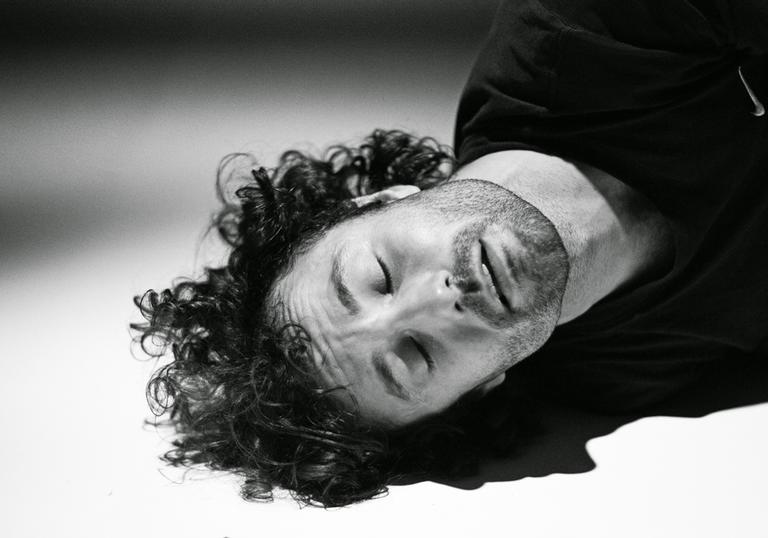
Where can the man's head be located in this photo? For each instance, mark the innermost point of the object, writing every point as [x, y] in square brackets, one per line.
[285, 360]
[427, 297]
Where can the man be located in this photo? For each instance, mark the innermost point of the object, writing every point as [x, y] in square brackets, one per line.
[603, 228]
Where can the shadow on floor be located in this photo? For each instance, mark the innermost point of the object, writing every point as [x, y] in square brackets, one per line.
[560, 443]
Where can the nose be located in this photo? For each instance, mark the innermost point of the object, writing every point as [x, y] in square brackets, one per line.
[427, 300]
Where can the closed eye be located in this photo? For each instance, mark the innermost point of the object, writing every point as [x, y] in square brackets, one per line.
[387, 275]
[424, 353]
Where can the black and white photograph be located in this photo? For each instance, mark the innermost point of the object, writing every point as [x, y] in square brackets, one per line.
[339, 268]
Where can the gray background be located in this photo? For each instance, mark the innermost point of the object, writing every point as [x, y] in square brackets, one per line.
[115, 114]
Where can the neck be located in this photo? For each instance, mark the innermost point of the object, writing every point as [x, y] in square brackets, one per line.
[614, 236]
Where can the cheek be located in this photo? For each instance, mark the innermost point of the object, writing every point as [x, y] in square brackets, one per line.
[468, 369]
[419, 248]
[469, 348]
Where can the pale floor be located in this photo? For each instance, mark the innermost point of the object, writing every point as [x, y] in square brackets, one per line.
[78, 461]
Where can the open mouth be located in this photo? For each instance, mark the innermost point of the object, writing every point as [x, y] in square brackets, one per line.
[490, 277]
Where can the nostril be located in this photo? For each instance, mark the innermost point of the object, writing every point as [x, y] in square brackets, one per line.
[448, 282]
[459, 307]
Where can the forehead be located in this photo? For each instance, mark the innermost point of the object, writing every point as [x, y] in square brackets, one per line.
[305, 294]
[343, 349]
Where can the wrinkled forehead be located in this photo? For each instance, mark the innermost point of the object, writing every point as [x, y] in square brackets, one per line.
[339, 346]
[301, 304]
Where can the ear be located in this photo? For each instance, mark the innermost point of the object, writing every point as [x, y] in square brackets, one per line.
[395, 192]
[491, 384]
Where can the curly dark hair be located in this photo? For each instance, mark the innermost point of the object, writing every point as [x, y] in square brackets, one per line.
[240, 391]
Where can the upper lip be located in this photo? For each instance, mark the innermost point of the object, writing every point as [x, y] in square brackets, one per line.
[499, 275]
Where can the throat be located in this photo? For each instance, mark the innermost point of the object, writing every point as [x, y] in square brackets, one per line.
[625, 242]
[616, 251]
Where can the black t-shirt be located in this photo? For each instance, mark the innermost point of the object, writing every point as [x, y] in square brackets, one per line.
[656, 93]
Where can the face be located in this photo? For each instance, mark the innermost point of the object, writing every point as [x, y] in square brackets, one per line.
[417, 303]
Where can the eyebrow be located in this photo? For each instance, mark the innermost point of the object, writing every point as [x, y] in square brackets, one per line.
[392, 385]
[338, 275]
